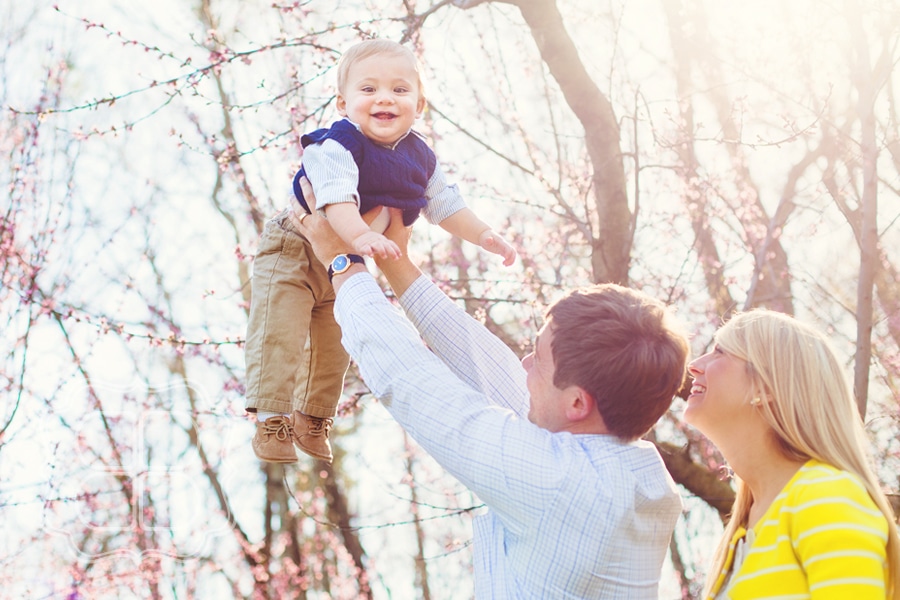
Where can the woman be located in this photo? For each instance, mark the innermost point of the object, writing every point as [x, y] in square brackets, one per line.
[809, 520]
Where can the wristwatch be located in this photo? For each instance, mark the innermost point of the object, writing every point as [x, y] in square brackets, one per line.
[342, 262]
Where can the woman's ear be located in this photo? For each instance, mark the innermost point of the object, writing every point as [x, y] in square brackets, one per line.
[759, 398]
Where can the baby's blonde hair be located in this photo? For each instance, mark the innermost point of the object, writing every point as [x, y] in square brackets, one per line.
[810, 409]
[364, 50]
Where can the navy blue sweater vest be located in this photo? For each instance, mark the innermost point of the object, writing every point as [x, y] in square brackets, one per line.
[387, 177]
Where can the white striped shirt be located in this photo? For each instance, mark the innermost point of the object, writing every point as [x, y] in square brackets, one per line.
[570, 516]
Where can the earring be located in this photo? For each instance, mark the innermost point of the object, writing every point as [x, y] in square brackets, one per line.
[756, 401]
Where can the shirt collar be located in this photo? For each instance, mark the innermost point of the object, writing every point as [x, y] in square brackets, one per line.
[391, 146]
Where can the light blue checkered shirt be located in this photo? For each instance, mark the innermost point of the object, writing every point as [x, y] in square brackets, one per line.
[570, 516]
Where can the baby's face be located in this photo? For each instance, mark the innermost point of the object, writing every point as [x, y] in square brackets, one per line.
[382, 96]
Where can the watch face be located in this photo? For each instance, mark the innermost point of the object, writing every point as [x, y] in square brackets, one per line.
[340, 262]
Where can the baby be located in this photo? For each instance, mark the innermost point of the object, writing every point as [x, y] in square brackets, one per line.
[362, 164]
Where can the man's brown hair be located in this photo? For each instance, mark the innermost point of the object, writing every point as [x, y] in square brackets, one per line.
[622, 347]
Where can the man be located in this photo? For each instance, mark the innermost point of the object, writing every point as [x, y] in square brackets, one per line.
[578, 508]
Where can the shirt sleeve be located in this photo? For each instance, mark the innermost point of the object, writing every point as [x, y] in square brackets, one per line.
[840, 537]
[332, 172]
[507, 461]
[473, 353]
[443, 199]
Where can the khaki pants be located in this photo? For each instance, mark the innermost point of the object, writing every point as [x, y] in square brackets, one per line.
[293, 351]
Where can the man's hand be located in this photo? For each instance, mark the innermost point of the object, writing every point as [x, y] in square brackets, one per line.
[326, 244]
[400, 272]
[397, 232]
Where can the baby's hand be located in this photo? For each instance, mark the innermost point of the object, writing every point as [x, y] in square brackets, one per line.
[375, 244]
[492, 242]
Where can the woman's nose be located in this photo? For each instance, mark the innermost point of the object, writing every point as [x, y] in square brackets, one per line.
[696, 365]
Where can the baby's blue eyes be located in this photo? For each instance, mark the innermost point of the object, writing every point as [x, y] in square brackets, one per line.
[370, 89]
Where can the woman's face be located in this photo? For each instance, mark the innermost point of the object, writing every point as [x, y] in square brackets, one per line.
[720, 395]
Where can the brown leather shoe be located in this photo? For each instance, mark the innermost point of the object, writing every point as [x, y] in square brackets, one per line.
[311, 435]
[272, 442]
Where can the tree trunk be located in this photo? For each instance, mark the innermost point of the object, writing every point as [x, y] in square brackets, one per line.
[421, 567]
[611, 249]
[868, 215]
[771, 285]
[697, 479]
[339, 514]
[696, 189]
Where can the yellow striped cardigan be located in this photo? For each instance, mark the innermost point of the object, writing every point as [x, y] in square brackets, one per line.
[822, 538]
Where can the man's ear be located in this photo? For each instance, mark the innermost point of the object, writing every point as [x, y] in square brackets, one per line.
[580, 404]
[341, 105]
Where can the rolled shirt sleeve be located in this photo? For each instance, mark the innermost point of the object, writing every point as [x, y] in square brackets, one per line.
[332, 172]
[444, 198]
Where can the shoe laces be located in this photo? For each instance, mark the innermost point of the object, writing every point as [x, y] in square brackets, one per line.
[319, 426]
[280, 428]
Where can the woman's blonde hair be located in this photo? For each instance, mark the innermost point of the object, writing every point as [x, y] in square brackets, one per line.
[809, 405]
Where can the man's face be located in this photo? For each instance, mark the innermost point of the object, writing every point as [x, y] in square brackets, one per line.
[547, 407]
